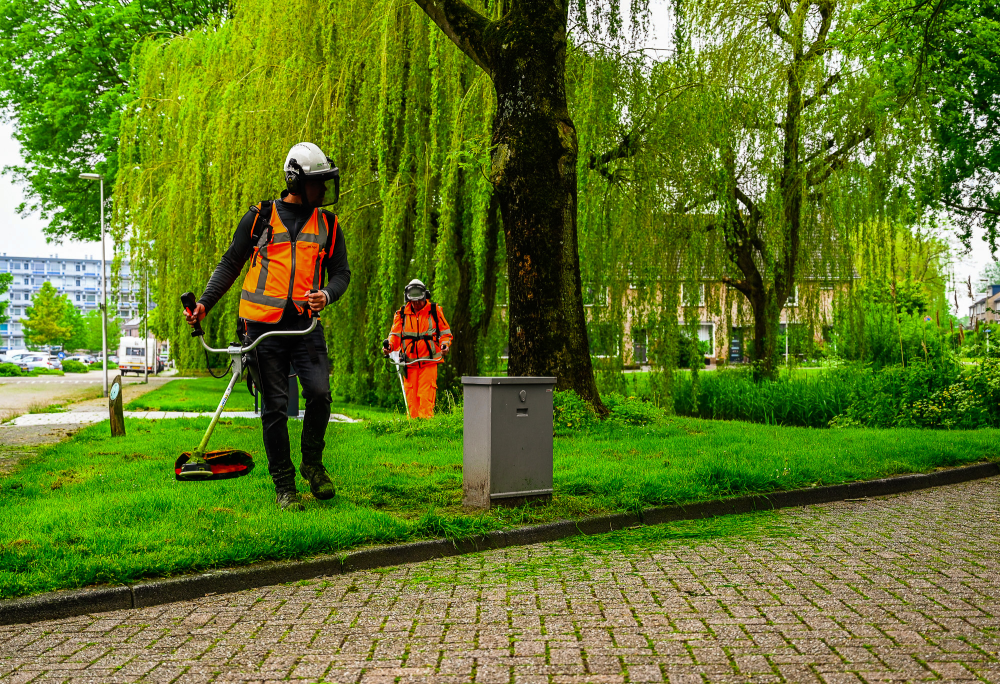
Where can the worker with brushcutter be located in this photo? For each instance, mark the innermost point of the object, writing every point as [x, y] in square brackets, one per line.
[422, 337]
[291, 244]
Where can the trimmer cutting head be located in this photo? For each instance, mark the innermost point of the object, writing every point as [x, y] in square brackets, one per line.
[222, 464]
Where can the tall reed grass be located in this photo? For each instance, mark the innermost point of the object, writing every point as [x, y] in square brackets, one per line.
[806, 400]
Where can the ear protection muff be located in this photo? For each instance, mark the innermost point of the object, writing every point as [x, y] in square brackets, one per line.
[294, 179]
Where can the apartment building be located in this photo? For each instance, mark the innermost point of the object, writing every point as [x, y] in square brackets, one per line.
[78, 279]
[986, 307]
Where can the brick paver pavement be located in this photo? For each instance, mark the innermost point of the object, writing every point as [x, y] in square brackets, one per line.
[904, 588]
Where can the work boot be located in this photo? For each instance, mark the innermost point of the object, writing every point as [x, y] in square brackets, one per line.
[319, 482]
[290, 501]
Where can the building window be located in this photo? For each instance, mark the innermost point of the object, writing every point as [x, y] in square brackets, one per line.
[90, 298]
[78, 296]
[17, 311]
[78, 282]
[17, 295]
[78, 267]
[27, 281]
[17, 265]
[27, 296]
[25, 265]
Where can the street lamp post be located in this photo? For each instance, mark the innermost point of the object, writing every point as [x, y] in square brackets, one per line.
[104, 283]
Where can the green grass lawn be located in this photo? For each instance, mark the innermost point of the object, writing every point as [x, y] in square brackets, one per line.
[96, 509]
[203, 394]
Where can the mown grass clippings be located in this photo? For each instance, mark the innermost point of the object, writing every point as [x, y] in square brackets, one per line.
[118, 514]
[563, 559]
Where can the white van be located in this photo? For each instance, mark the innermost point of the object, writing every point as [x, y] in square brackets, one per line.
[132, 354]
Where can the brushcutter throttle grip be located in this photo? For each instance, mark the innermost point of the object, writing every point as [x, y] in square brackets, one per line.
[189, 302]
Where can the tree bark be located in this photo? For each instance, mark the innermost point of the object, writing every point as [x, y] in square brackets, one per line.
[534, 178]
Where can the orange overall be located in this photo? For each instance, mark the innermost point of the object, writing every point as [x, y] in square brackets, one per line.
[421, 339]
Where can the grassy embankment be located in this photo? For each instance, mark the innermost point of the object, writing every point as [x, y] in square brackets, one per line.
[100, 510]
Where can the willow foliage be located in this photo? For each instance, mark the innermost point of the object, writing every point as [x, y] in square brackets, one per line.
[403, 114]
[407, 117]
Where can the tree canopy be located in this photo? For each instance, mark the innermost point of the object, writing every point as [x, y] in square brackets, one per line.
[65, 82]
[755, 153]
[46, 321]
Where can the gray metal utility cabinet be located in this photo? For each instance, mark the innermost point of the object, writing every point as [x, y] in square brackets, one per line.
[507, 450]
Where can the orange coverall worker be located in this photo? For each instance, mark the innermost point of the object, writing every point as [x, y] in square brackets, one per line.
[418, 335]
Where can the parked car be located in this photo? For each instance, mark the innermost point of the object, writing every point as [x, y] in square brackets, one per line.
[85, 359]
[13, 355]
[30, 361]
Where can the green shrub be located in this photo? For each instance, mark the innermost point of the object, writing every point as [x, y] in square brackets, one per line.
[9, 370]
[72, 366]
[888, 397]
[99, 366]
[631, 410]
[571, 414]
[45, 371]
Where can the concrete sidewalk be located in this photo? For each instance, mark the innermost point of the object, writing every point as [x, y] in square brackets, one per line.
[904, 588]
[87, 417]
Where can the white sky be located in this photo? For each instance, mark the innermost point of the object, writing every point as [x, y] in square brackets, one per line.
[24, 237]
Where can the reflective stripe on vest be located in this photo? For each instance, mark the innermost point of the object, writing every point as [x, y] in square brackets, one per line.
[284, 269]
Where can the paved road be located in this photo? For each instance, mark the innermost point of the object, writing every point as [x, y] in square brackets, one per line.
[18, 395]
[904, 588]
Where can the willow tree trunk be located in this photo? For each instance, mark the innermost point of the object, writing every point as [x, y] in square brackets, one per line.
[534, 177]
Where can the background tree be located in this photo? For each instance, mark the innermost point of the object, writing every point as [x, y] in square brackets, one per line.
[72, 319]
[64, 84]
[45, 323]
[5, 282]
[534, 173]
[791, 139]
[944, 52]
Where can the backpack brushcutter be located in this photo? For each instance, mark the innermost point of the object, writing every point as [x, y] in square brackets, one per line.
[400, 363]
[217, 465]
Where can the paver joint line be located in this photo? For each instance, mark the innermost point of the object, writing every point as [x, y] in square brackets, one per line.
[63, 604]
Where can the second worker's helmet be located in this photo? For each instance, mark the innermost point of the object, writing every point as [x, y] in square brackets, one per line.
[415, 291]
[305, 161]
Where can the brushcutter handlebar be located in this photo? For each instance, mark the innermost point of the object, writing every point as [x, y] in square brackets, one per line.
[273, 333]
[393, 358]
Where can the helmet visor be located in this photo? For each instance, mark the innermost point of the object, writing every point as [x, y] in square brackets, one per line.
[415, 293]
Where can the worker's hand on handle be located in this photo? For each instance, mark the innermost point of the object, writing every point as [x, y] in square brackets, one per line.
[195, 317]
[385, 347]
[194, 313]
[317, 300]
[445, 348]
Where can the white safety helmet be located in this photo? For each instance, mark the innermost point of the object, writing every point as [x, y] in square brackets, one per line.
[415, 291]
[306, 161]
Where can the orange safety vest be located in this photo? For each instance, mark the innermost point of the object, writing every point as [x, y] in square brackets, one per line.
[284, 269]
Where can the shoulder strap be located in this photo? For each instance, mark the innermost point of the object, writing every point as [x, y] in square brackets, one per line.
[261, 222]
[437, 324]
[331, 233]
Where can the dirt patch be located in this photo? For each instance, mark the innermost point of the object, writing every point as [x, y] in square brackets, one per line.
[18, 442]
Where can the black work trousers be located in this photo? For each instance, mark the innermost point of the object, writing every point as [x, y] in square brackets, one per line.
[274, 358]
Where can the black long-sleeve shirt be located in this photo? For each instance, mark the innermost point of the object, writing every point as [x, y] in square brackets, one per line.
[294, 217]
